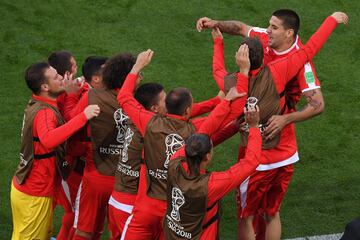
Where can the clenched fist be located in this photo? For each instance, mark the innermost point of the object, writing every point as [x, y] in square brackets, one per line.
[340, 17]
[143, 59]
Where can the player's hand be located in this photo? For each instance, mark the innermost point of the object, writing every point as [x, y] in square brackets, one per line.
[204, 23]
[341, 17]
[92, 111]
[216, 33]
[233, 94]
[274, 125]
[252, 116]
[221, 94]
[143, 59]
[242, 59]
[71, 85]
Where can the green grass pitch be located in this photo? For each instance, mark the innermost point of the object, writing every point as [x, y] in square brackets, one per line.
[325, 192]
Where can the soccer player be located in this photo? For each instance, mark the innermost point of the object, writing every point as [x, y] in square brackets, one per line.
[163, 135]
[64, 63]
[152, 97]
[193, 194]
[91, 70]
[76, 147]
[279, 40]
[107, 133]
[65, 194]
[42, 153]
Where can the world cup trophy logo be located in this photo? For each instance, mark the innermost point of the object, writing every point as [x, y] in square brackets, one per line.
[177, 201]
[250, 103]
[120, 120]
[173, 142]
[128, 138]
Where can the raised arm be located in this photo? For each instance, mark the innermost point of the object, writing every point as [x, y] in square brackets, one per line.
[243, 62]
[136, 112]
[218, 65]
[206, 106]
[229, 27]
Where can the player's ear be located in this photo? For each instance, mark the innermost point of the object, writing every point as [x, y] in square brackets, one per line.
[207, 158]
[290, 32]
[95, 79]
[154, 108]
[188, 111]
[44, 87]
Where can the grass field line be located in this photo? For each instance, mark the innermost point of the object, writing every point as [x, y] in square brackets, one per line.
[335, 236]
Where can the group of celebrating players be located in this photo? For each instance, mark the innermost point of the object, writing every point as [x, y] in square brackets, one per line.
[105, 146]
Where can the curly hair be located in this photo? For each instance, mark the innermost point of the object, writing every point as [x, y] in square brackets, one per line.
[116, 69]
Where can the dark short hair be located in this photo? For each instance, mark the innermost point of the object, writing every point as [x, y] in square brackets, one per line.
[256, 52]
[177, 100]
[148, 94]
[116, 69]
[196, 147]
[289, 18]
[35, 76]
[60, 60]
[92, 66]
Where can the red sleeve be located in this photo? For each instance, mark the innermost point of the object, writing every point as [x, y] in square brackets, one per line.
[208, 125]
[225, 133]
[49, 134]
[219, 70]
[216, 117]
[61, 102]
[197, 122]
[220, 183]
[285, 69]
[307, 78]
[136, 112]
[204, 106]
[73, 106]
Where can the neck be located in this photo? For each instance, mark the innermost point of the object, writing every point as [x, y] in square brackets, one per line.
[203, 165]
[48, 96]
[286, 45]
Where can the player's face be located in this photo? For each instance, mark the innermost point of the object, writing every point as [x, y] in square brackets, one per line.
[73, 66]
[55, 82]
[276, 32]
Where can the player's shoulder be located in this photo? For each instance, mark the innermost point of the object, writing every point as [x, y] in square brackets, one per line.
[256, 30]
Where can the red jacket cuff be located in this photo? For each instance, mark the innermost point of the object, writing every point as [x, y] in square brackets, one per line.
[218, 40]
[242, 83]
